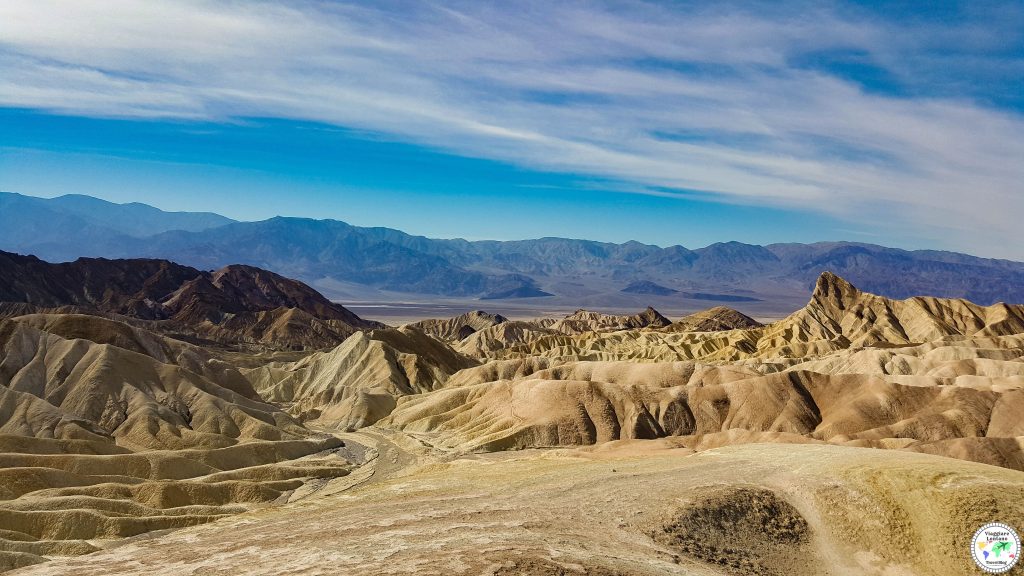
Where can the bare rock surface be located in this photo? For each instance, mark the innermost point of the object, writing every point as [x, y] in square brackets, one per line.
[624, 509]
[858, 435]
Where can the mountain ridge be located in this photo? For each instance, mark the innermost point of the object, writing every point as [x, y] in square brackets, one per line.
[75, 225]
[544, 269]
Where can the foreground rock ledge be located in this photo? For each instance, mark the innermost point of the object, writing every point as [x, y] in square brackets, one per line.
[619, 508]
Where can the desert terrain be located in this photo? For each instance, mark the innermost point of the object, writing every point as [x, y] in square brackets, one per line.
[161, 419]
[485, 288]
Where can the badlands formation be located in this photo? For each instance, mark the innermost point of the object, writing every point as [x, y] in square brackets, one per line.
[172, 421]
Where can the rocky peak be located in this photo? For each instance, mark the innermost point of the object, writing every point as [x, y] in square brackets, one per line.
[652, 317]
[832, 290]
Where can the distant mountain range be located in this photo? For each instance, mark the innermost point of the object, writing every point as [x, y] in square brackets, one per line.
[324, 252]
[74, 225]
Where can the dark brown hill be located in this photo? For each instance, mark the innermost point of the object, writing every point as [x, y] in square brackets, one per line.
[131, 287]
[234, 304]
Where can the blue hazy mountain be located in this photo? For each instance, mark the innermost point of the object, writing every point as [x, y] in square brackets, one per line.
[133, 218]
[74, 225]
[315, 249]
[382, 258]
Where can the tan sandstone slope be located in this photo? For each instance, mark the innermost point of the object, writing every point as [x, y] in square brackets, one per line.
[838, 317]
[844, 370]
[460, 327]
[859, 435]
[107, 431]
[714, 320]
[358, 382]
[582, 321]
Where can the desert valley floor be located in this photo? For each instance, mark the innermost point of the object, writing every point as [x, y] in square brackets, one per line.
[156, 419]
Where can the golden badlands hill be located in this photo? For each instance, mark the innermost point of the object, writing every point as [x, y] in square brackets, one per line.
[358, 383]
[713, 320]
[109, 431]
[459, 327]
[859, 435]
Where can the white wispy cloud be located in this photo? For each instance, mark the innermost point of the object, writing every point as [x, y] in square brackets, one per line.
[660, 98]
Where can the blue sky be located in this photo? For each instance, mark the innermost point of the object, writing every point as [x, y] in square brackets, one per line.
[669, 123]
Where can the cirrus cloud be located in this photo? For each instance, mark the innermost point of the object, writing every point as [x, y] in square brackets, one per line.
[821, 107]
